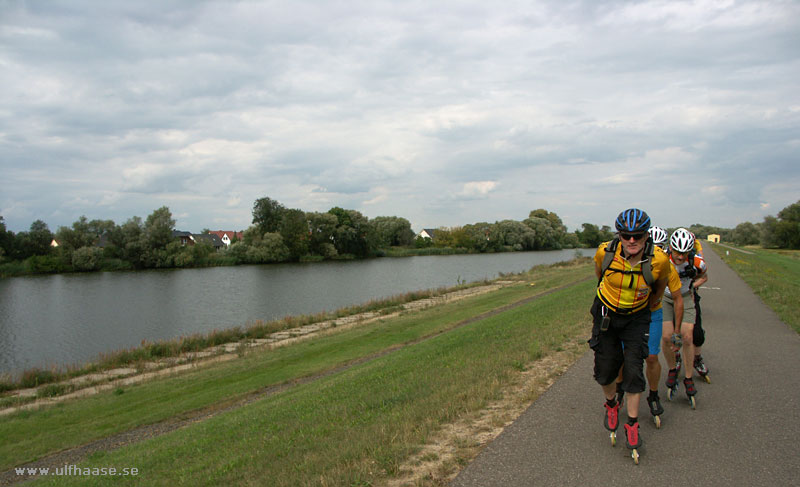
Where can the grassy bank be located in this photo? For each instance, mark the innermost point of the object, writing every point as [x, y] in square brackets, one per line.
[31, 435]
[774, 275]
[357, 427]
[137, 357]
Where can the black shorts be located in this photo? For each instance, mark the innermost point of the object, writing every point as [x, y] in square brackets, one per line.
[624, 342]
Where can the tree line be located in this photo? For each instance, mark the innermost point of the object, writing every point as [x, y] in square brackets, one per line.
[281, 234]
[781, 232]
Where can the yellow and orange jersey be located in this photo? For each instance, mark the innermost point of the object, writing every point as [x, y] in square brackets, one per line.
[622, 287]
[673, 282]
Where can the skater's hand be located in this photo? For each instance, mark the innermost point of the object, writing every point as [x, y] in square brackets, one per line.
[677, 341]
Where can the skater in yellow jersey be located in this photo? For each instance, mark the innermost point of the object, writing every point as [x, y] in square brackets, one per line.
[631, 280]
[652, 364]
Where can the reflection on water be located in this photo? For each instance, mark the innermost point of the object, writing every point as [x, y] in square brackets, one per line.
[66, 319]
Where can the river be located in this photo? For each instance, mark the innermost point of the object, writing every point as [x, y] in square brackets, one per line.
[64, 319]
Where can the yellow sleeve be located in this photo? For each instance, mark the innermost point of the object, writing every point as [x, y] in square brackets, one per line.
[674, 282]
[662, 268]
[698, 246]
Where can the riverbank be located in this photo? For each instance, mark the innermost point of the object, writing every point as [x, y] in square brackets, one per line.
[349, 407]
[185, 349]
[128, 367]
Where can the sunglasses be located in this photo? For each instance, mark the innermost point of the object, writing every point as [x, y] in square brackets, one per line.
[635, 236]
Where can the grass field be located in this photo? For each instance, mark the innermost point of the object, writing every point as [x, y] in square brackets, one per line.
[354, 427]
[774, 275]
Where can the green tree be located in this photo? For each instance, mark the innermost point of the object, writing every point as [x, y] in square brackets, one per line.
[295, 231]
[354, 234]
[322, 228]
[558, 229]
[87, 258]
[782, 232]
[6, 240]
[128, 242]
[546, 237]
[393, 231]
[590, 236]
[72, 238]
[745, 234]
[39, 238]
[788, 228]
[34, 242]
[274, 248]
[443, 238]
[484, 236]
[516, 235]
[158, 228]
[268, 214]
[422, 242]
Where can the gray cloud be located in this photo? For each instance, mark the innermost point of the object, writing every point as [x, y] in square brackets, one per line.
[445, 113]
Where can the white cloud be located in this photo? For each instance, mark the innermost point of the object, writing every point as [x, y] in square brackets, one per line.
[478, 189]
[443, 113]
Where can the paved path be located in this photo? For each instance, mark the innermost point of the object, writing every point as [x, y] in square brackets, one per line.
[745, 430]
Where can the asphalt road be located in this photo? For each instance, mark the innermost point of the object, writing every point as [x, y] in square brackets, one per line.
[744, 432]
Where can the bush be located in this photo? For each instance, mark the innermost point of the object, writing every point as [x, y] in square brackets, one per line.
[87, 259]
[44, 264]
[328, 250]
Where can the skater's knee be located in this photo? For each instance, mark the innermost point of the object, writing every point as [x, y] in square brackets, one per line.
[651, 359]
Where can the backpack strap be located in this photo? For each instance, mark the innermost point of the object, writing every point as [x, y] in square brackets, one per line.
[647, 265]
[610, 251]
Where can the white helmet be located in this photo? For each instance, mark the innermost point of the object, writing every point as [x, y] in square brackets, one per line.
[681, 240]
[659, 236]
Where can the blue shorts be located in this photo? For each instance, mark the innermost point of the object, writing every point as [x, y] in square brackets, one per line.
[654, 342]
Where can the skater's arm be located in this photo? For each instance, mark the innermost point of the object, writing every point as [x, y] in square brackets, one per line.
[657, 292]
[700, 280]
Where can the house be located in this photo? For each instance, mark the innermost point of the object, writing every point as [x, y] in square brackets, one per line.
[54, 243]
[209, 238]
[713, 237]
[227, 236]
[188, 238]
[185, 237]
[427, 233]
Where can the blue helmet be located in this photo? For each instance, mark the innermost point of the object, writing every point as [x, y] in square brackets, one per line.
[632, 220]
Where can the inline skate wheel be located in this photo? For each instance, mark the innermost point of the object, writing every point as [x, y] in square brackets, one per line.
[635, 456]
[657, 421]
[707, 379]
[692, 402]
[613, 436]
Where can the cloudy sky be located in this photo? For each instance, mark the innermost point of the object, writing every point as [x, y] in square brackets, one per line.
[445, 112]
